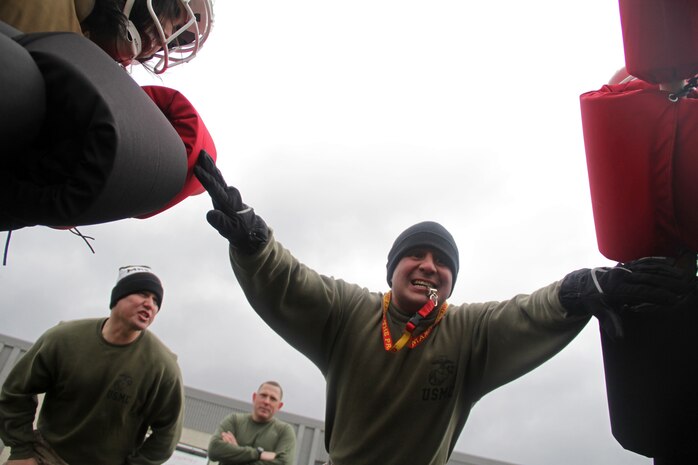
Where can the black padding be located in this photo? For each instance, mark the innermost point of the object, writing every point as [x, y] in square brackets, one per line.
[652, 382]
[106, 151]
[22, 98]
[7, 30]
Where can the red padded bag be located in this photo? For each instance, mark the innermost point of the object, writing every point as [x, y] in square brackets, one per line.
[642, 160]
[191, 128]
[660, 39]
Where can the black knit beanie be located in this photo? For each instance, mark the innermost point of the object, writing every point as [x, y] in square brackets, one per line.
[134, 279]
[425, 234]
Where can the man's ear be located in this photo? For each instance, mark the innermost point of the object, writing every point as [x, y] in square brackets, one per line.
[254, 396]
[281, 404]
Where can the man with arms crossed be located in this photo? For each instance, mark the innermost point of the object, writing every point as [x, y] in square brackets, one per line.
[258, 436]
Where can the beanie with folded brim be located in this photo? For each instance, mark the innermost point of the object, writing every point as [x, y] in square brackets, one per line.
[133, 279]
[425, 234]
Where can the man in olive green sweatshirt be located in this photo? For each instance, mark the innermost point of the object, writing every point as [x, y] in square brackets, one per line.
[107, 383]
[257, 437]
[404, 368]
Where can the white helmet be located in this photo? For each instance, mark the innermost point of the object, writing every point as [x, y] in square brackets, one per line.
[184, 43]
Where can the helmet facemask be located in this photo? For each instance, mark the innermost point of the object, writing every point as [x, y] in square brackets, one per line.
[186, 41]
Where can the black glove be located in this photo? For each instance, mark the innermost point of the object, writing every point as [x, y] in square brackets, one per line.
[646, 284]
[234, 220]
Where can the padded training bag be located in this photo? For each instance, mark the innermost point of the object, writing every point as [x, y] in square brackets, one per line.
[105, 151]
[652, 380]
[660, 39]
[22, 95]
[642, 161]
[191, 128]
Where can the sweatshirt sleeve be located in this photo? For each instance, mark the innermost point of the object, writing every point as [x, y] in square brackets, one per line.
[286, 447]
[230, 454]
[277, 437]
[302, 306]
[512, 337]
[40, 16]
[29, 377]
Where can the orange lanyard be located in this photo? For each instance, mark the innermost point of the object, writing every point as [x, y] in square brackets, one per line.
[410, 326]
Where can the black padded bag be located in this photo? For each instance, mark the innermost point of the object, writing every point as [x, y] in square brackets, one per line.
[105, 151]
[22, 95]
[652, 382]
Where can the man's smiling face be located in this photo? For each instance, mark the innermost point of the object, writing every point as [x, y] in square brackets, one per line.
[418, 270]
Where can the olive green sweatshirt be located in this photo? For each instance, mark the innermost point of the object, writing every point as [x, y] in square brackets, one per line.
[45, 15]
[275, 436]
[101, 399]
[410, 406]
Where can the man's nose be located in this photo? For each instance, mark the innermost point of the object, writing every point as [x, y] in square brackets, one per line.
[428, 262]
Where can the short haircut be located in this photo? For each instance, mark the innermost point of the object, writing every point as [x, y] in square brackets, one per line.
[272, 383]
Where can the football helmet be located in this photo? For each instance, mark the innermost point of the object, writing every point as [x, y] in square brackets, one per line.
[184, 43]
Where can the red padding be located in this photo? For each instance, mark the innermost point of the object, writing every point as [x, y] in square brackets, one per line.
[642, 160]
[660, 39]
[191, 128]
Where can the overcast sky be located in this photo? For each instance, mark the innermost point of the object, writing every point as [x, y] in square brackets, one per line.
[343, 123]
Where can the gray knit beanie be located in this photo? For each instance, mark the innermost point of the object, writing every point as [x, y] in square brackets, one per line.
[424, 234]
